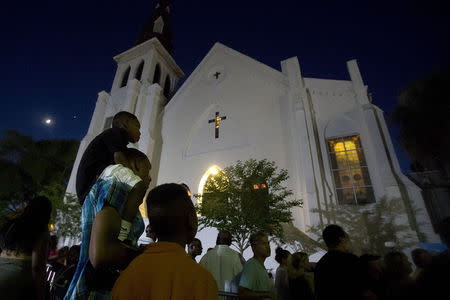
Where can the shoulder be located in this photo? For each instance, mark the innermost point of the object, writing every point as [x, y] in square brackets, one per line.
[111, 132]
[198, 271]
[206, 256]
[118, 135]
[250, 265]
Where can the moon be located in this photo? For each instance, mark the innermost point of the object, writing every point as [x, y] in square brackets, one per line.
[48, 121]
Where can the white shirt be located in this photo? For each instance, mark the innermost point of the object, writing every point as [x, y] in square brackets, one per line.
[224, 264]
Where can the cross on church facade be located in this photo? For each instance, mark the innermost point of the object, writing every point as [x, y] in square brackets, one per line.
[217, 75]
[216, 122]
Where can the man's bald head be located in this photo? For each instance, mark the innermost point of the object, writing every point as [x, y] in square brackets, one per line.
[224, 238]
[171, 212]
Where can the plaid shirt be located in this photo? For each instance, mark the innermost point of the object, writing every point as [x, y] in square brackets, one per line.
[111, 188]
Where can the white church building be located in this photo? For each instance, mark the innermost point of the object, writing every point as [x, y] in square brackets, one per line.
[328, 134]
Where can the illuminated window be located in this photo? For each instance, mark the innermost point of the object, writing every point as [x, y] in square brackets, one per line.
[350, 172]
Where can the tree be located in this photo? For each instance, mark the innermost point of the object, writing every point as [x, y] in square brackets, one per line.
[66, 213]
[31, 168]
[247, 197]
[297, 240]
[370, 227]
[422, 116]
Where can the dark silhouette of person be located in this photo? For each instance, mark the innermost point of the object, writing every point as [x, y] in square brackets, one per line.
[337, 274]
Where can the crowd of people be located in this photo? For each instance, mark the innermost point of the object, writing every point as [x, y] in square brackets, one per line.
[112, 182]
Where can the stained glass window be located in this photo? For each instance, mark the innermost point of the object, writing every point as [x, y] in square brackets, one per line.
[349, 170]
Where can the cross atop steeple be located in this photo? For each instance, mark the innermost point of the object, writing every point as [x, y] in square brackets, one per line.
[158, 26]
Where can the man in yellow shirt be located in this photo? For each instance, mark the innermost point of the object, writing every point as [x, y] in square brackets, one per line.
[164, 270]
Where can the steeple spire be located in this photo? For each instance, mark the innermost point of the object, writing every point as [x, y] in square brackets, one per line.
[158, 26]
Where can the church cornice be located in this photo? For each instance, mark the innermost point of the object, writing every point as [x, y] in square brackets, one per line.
[152, 44]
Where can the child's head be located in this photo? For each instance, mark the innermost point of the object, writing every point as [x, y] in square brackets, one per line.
[282, 256]
[300, 261]
[129, 123]
[171, 213]
[138, 162]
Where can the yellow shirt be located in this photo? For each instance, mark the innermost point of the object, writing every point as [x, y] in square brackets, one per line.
[164, 271]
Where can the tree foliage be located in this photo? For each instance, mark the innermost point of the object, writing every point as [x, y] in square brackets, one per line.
[297, 240]
[422, 115]
[31, 168]
[247, 197]
[370, 227]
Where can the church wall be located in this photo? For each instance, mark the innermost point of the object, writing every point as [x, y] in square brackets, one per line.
[340, 114]
[250, 101]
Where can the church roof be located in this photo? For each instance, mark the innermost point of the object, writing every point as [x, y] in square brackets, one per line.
[159, 26]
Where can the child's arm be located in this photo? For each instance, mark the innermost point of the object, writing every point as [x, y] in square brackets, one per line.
[134, 200]
[120, 158]
[105, 250]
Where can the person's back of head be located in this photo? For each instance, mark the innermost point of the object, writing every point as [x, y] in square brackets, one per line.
[129, 123]
[188, 190]
[281, 255]
[300, 260]
[73, 255]
[224, 238]
[421, 257]
[171, 213]
[335, 237]
[121, 118]
[396, 265]
[20, 232]
[371, 265]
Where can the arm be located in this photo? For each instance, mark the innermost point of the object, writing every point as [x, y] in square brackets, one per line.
[104, 248]
[246, 294]
[120, 158]
[134, 200]
[38, 264]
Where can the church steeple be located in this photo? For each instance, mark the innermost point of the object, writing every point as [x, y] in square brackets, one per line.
[158, 26]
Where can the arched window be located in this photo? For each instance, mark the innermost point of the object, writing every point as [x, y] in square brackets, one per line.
[167, 87]
[139, 70]
[125, 77]
[157, 75]
[350, 171]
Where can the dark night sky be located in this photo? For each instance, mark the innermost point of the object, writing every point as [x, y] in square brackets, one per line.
[57, 55]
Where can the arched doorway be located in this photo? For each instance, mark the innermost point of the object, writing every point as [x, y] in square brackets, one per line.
[212, 171]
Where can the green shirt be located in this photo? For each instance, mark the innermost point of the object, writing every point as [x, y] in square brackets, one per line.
[254, 277]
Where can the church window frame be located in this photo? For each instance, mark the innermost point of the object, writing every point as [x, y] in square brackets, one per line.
[350, 171]
[125, 77]
[139, 70]
[167, 87]
[108, 123]
[157, 74]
